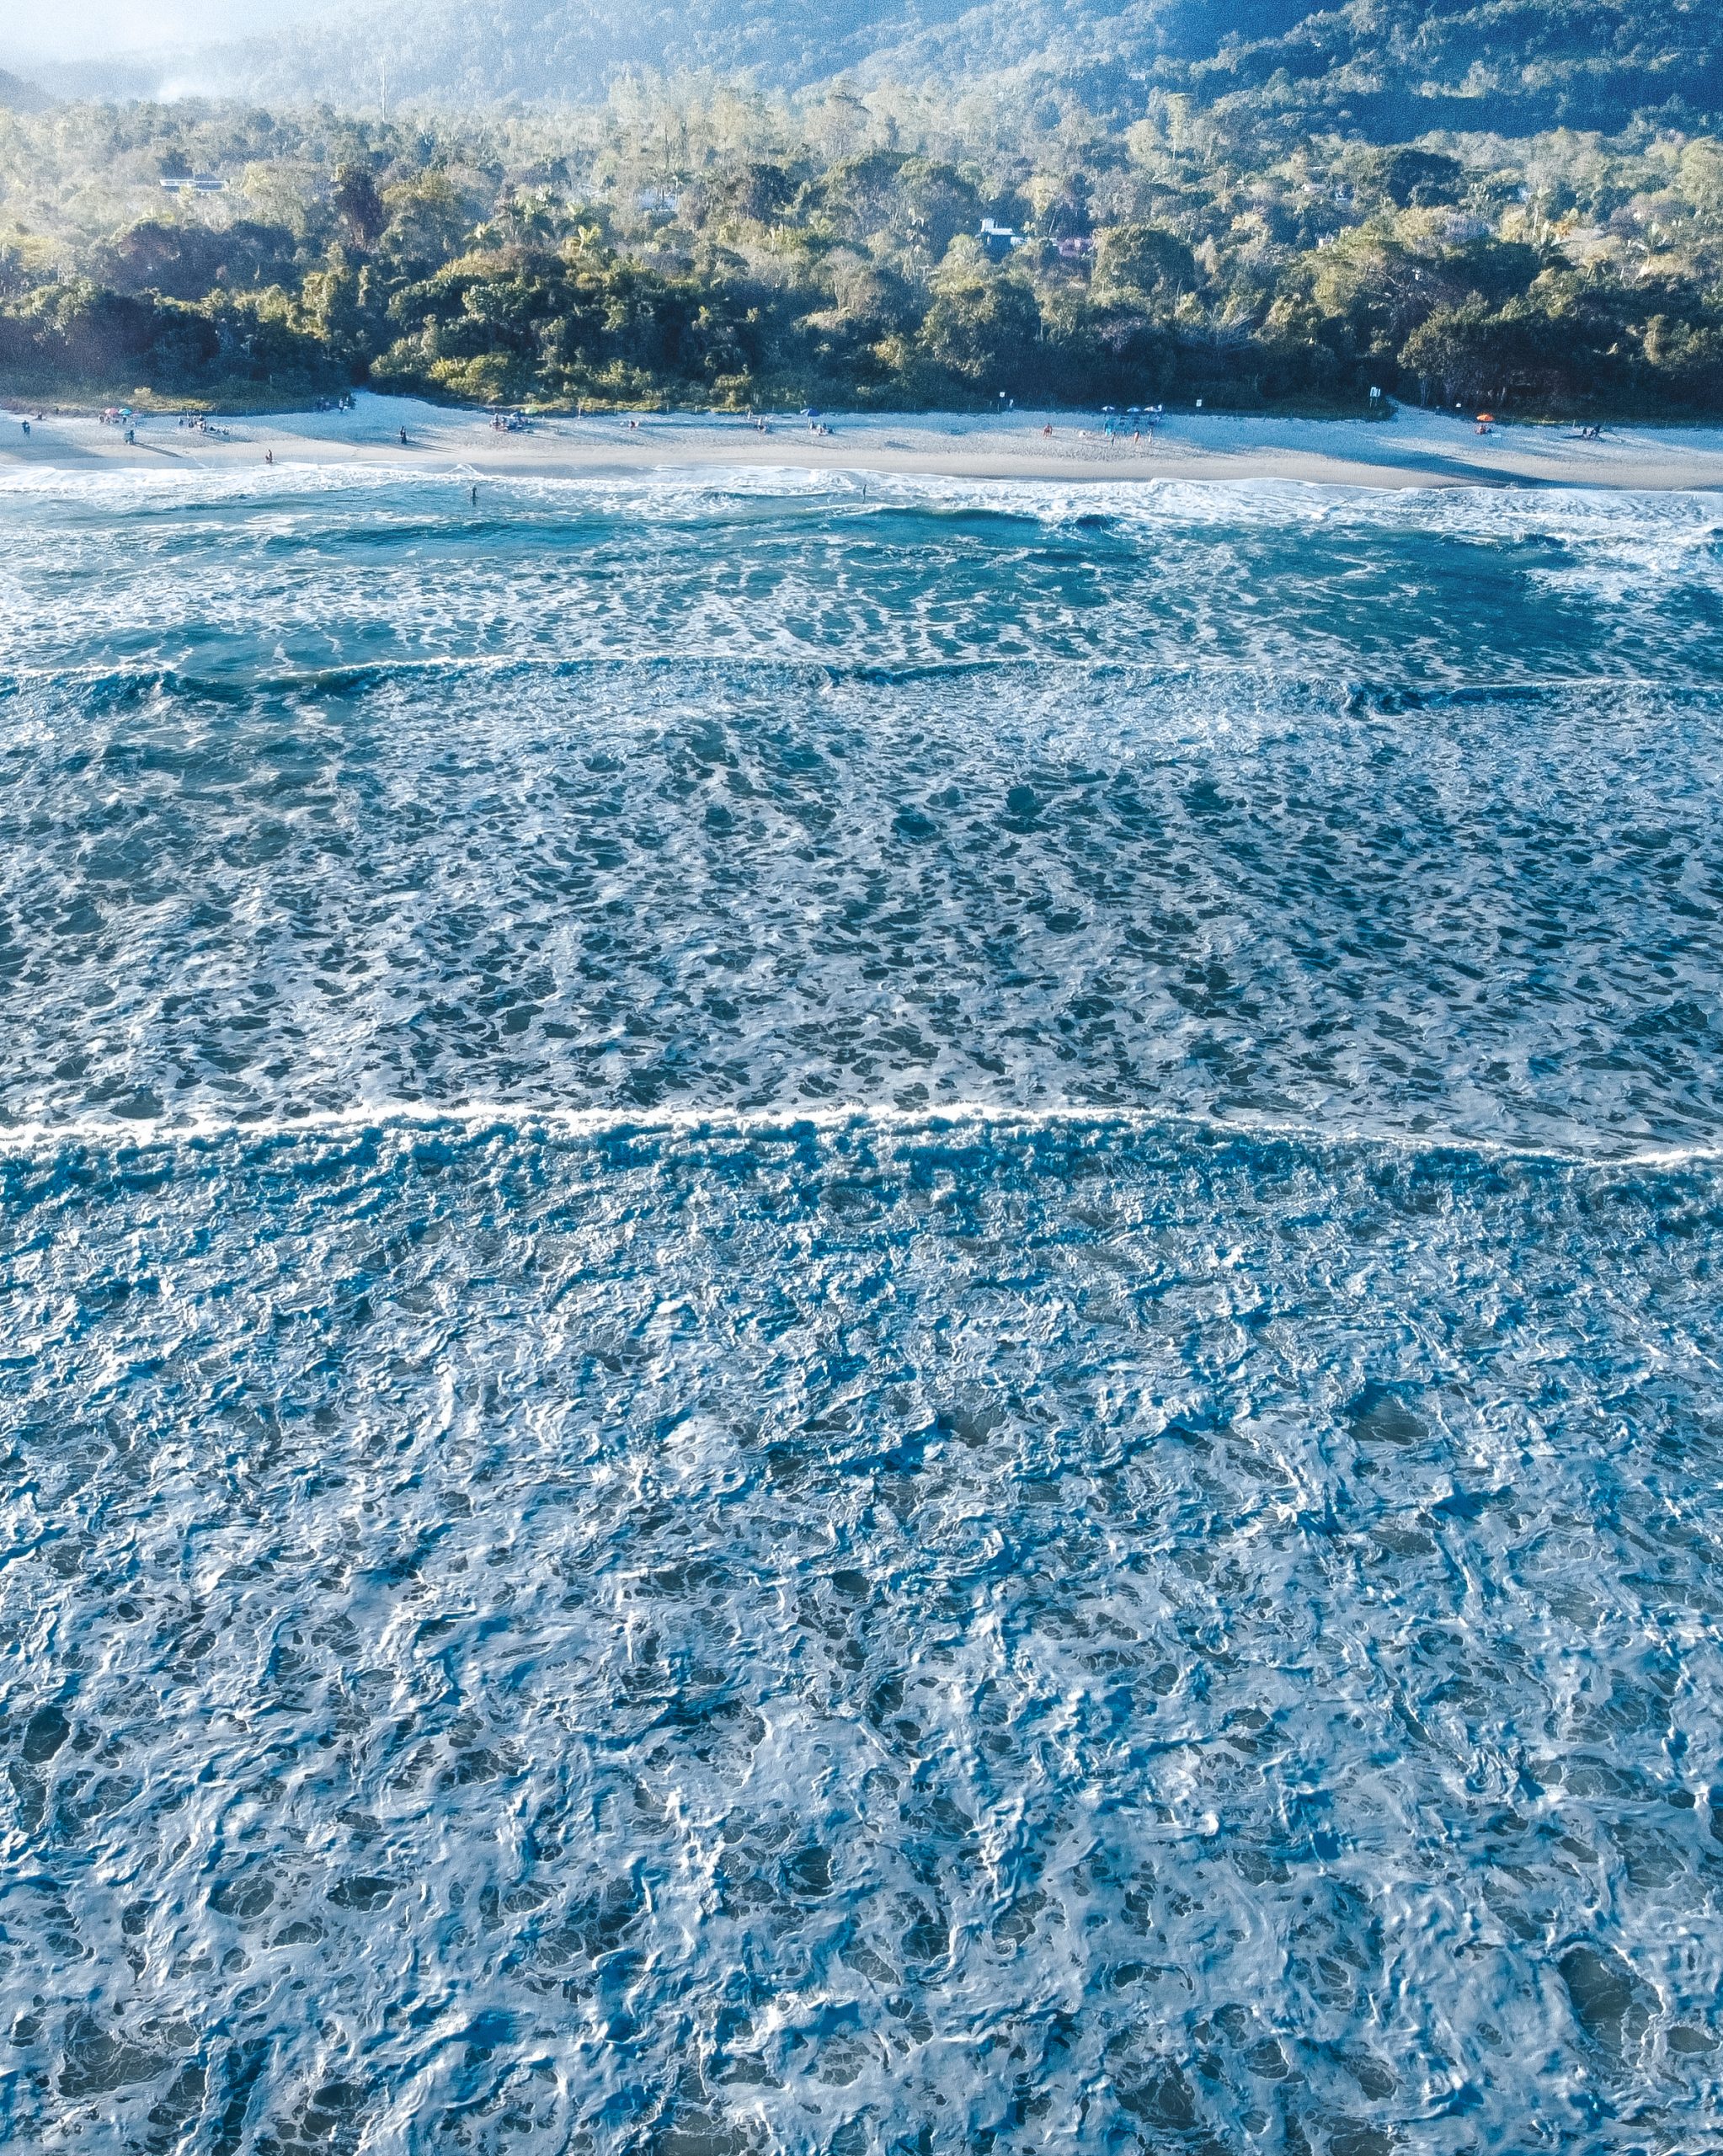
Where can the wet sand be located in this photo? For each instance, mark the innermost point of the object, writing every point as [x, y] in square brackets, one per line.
[1413, 449]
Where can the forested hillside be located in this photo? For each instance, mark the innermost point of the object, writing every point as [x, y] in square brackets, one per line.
[18, 95]
[1387, 69]
[1123, 201]
[846, 251]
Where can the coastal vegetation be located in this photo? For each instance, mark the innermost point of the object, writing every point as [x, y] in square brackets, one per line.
[696, 243]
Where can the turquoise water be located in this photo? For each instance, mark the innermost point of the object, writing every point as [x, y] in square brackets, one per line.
[859, 1323]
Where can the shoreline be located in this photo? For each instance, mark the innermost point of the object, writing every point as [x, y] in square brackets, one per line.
[1414, 448]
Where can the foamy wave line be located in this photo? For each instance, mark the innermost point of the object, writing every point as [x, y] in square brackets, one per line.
[361, 674]
[1141, 496]
[787, 1121]
[1353, 698]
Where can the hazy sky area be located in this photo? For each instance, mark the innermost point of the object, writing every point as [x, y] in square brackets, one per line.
[91, 29]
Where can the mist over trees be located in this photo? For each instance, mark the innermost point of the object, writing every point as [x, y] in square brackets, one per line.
[886, 246]
[1385, 70]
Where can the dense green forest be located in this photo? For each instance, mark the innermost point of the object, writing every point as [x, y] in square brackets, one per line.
[843, 248]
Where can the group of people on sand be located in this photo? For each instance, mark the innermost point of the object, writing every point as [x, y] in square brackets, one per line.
[1110, 431]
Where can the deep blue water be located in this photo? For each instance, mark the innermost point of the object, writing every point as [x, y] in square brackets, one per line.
[859, 1324]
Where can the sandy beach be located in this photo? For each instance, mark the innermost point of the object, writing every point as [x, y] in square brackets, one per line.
[1413, 449]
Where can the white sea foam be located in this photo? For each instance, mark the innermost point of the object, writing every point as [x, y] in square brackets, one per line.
[857, 1328]
[1245, 899]
[137, 1135]
[581, 1638]
[358, 565]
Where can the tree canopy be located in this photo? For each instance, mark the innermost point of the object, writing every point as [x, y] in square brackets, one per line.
[867, 251]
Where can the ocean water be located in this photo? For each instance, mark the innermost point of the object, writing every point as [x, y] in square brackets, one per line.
[859, 1317]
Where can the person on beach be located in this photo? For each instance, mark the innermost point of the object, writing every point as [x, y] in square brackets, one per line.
[26, 427]
[269, 457]
[403, 437]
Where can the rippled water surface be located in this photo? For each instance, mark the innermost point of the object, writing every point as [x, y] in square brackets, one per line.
[859, 1322]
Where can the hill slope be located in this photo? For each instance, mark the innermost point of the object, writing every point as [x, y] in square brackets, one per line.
[1387, 69]
[16, 95]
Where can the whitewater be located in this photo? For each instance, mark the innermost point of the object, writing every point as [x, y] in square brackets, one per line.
[858, 1313]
